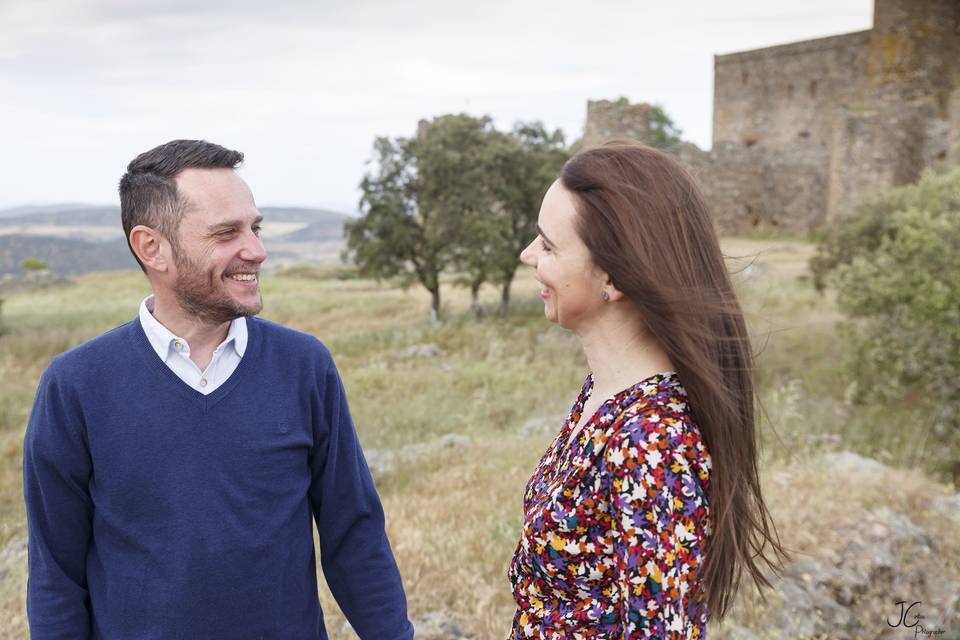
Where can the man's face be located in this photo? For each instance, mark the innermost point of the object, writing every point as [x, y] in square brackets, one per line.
[219, 253]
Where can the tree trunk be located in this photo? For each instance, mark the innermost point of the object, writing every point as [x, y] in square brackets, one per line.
[435, 305]
[504, 298]
[475, 300]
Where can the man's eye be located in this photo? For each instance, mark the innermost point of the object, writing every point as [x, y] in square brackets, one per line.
[226, 233]
[546, 247]
[256, 231]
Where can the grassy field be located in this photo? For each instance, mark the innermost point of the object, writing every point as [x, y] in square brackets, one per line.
[504, 383]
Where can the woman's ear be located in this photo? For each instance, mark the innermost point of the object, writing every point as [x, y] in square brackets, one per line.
[610, 292]
[147, 244]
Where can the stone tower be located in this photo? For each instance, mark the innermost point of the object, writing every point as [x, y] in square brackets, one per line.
[801, 131]
[608, 119]
[903, 116]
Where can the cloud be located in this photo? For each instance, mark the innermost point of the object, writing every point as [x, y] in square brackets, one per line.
[304, 86]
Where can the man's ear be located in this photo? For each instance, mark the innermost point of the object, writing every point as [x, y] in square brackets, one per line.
[148, 244]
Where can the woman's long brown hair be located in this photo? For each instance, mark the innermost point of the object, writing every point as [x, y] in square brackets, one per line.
[647, 226]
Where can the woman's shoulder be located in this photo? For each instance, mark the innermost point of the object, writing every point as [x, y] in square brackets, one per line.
[657, 426]
[658, 404]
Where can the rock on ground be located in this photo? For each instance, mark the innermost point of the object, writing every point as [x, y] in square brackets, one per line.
[437, 625]
[382, 462]
[419, 351]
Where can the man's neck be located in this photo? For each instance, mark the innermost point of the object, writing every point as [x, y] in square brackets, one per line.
[203, 337]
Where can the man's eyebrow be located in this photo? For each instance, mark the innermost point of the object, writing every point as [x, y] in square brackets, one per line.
[234, 223]
[544, 236]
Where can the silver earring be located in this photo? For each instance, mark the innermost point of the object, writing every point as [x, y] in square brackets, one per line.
[605, 295]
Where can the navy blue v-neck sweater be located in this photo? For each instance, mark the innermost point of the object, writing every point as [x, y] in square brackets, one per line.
[156, 512]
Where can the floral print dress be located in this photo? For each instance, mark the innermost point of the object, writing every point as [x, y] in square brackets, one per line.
[615, 524]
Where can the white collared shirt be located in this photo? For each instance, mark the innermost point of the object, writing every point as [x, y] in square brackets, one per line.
[175, 352]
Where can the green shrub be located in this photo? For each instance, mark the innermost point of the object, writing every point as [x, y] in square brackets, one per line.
[895, 264]
[33, 264]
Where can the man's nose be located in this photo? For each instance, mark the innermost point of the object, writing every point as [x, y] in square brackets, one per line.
[253, 250]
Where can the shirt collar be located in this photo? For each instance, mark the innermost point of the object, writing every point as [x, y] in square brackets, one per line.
[238, 334]
[161, 338]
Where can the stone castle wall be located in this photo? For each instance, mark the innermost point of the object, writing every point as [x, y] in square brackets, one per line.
[897, 121]
[954, 137]
[785, 96]
[803, 130]
[752, 188]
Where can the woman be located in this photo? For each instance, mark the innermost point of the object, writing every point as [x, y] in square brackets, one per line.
[643, 513]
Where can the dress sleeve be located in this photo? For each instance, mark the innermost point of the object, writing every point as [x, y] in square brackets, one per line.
[56, 476]
[357, 561]
[660, 522]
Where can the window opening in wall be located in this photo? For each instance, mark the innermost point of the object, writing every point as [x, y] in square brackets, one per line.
[744, 76]
[813, 88]
[943, 101]
[790, 90]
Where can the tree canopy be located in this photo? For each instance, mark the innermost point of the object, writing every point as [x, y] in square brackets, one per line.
[458, 195]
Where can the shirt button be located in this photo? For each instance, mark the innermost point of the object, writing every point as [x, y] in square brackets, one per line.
[203, 382]
[178, 344]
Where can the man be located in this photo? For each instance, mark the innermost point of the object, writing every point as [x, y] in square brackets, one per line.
[171, 465]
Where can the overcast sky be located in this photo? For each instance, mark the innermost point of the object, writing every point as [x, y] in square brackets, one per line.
[303, 87]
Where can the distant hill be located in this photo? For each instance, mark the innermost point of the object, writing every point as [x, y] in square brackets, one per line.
[315, 232]
[40, 208]
[296, 214]
[62, 214]
[64, 256]
[76, 238]
[78, 214]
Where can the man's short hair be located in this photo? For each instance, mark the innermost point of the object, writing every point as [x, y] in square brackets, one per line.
[148, 190]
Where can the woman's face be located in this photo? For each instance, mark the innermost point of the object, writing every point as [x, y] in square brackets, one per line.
[571, 282]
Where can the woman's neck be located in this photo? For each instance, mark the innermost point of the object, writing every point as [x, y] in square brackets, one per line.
[620, 353]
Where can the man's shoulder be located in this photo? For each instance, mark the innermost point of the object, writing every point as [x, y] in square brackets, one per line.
[104, 350]
[288, 340]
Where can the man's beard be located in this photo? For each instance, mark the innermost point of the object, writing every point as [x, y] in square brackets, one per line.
[201, 296]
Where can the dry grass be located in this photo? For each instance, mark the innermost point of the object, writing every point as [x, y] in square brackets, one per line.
[454, 516]
[454, 521]
[820, 513]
